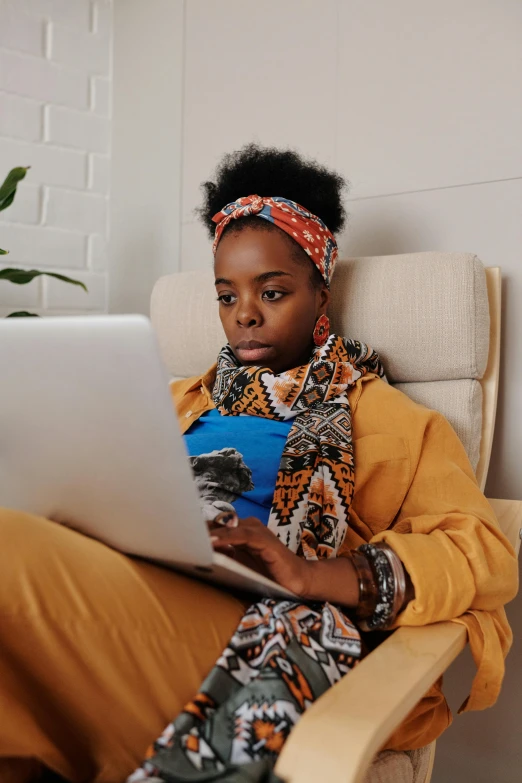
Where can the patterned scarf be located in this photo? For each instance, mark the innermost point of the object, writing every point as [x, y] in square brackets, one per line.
[315, 482]
[284, 654]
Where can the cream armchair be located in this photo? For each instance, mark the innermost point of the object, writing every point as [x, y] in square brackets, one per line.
[435, 320]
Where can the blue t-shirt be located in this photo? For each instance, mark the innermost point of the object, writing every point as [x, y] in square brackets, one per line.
[239, 454]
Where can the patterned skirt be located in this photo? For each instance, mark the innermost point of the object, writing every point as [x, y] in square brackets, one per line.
[282, 657]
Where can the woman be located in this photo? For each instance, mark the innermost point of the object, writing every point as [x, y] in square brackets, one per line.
[98, 651]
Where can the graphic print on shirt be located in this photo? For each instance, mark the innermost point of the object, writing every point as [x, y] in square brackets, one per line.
[221, 477]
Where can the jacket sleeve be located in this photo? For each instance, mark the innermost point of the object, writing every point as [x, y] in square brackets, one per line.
[461, 565]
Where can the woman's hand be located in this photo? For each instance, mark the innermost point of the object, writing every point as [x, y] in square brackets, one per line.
[234, 537]
[250, 542]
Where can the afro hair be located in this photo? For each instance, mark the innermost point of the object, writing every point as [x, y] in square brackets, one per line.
[267, 171]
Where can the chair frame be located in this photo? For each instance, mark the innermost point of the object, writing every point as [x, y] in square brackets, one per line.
[340, 735]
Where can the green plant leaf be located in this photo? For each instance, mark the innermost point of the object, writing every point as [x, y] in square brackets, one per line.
[9, 185]
[7, 201]
[22, 314]
[3, 252]
[23, 276]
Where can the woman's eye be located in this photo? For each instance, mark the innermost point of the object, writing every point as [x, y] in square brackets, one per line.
[226, 299]
[272, 296]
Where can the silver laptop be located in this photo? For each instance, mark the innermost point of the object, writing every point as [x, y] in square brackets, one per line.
[89, 438]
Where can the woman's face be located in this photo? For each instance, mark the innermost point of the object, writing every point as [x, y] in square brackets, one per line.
[267, 303]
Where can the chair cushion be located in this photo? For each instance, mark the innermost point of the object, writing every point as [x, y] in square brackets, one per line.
[427, 314]
[392, 766]
[184, 313]
[460, 402]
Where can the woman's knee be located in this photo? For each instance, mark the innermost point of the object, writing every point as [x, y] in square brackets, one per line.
[24, 541]
[42, 563]
[23, 532]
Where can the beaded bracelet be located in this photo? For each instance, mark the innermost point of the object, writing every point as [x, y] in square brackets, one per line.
[389, 586]
[399, 577]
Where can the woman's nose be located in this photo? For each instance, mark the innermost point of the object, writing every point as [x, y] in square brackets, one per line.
[246, 320]
[248, 315]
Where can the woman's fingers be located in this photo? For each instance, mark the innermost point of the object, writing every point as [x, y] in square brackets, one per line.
[246, 533]
[223, 546]
[253, 537]
[231, 536]
[255, 541]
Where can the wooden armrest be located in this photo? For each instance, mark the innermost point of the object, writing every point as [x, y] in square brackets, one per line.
[340, 734]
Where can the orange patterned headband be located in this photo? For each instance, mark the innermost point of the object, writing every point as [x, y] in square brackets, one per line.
[302, 226]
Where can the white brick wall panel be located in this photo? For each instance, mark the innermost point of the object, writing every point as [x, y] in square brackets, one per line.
[49, 165]
[63, 296]
[87, 51]
[75, 13]
[20, 297]
[97, 254]
[70, 128]
[102, 17]
[20, 118]
[56, 52]
[38, 246]
[85, 212]
[42, 80]
[101, 96]
[20, 31]
[99, 173]
[26, 208]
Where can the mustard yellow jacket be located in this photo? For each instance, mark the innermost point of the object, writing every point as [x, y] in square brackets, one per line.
[416, 490]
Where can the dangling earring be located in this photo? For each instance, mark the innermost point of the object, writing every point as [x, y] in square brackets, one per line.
[321, 330]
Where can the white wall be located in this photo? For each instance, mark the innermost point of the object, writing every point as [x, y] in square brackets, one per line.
[55, 107]
[145, 204]
[419, 105]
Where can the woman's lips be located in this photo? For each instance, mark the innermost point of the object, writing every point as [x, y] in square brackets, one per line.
[253, 351]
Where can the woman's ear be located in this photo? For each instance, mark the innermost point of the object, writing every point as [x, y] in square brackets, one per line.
[324, 300]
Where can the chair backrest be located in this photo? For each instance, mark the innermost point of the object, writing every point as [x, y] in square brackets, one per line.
[427, 314]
